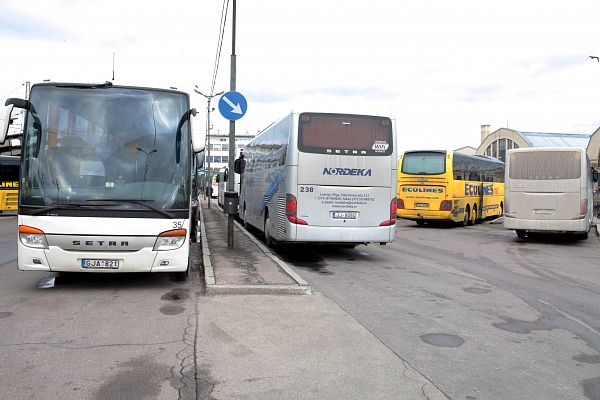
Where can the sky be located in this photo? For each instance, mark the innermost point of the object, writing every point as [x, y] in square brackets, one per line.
[441, 69]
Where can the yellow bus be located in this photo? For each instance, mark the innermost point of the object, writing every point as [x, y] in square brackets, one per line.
[9, 183]
[447, 186]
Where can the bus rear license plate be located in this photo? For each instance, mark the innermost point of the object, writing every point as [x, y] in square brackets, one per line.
[100, 264]
[344, 215]
[421, 205]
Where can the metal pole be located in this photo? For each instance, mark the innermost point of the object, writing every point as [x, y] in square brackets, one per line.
[231, 180]
[207, 172]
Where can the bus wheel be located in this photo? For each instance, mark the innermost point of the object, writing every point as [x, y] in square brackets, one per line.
[183, 276]
[521, 234]
[268, 239]
[420, 222]
[465, 218]
[472, 217]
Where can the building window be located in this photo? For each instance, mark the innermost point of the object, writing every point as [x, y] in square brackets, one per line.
[502, 151]
[225, 147]
[217, 158]
[494, 149]
[217, 147]
[225, 159]
[509, 144]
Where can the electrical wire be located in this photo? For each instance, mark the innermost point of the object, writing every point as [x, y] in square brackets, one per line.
[219, 45]
[8, 94]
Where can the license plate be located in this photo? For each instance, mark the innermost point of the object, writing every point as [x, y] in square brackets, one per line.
[344, 214]
[421, 205]
[101, 264]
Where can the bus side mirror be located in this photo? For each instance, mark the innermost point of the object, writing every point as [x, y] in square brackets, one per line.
[198, 135]
[217, 179]
[595, 175]
[239, 166]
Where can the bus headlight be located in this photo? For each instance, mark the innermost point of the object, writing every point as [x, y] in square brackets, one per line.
[32, 237]
[170, 240]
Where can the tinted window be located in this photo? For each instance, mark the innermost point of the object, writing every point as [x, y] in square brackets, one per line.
[345, 134]
[545, 165]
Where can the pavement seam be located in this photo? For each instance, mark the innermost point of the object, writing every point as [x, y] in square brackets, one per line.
[302, 287]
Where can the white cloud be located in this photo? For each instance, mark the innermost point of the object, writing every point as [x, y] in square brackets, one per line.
[442, 69]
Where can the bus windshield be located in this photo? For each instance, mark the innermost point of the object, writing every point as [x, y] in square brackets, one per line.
[424, 163]
[106, 147]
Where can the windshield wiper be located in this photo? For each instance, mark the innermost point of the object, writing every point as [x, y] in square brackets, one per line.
[141, 202]
[55, 206]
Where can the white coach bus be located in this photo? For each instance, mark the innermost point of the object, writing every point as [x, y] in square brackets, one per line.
[548, 189]
[322, 178]
[106, 178]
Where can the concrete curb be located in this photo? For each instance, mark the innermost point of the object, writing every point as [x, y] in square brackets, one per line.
[302, 286]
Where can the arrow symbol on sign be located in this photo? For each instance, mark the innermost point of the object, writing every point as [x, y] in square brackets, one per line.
[235, 108]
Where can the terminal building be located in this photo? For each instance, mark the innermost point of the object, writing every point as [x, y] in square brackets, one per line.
[496, 143]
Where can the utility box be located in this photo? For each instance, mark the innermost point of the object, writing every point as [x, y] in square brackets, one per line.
[230, 202]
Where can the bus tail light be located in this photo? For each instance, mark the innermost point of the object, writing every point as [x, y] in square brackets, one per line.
[393, 214]
[170, 240]
[32, 237]
[291, 208]
[400, 203]
[507, 213]
[446, 205]
[583, 209]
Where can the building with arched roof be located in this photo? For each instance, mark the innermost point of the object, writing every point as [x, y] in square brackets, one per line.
[496, 143]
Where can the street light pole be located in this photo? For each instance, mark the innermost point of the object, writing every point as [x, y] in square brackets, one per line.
[232, 84]
[207, 169]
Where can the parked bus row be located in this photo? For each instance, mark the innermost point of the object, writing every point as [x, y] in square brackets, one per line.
[539, 190]
[106, 185]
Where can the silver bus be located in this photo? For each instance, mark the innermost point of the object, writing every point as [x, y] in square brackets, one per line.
[548, 189]
[322, 178]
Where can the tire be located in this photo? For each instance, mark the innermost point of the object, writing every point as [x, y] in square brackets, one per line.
[268, 239]
[420, 222]
[472, 214]
[465, 218]
[246, 224]
[184, 275]
[521, 234]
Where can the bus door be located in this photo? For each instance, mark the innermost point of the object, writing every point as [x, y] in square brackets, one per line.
[488, 202]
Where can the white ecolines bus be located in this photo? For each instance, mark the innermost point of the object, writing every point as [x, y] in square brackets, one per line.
[106, 178]
[322, 178]
[548, 189]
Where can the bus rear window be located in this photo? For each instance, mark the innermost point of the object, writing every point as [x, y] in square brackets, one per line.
[425, 163]
[545, 165]
[345, 134]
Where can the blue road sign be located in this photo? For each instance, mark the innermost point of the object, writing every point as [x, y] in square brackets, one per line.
[232, 105]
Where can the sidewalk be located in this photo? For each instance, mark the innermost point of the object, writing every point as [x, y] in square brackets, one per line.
[255, 341]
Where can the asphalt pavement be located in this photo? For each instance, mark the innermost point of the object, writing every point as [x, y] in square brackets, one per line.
[263, 333]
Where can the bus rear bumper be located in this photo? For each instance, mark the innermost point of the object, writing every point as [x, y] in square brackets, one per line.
[313, 234]
[420, 215]
[530, 225]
